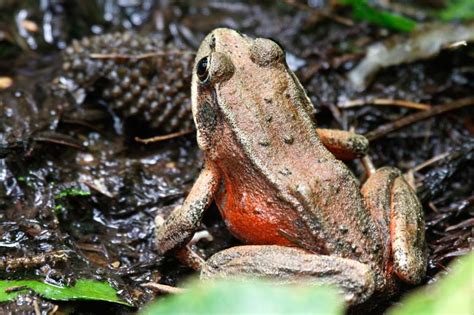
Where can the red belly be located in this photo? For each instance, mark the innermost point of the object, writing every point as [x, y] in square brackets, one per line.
[255, 217]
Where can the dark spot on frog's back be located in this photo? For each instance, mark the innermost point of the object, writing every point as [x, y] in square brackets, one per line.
[213, 42]
[264, 143]
[207, 117]
[298, 224]
[288, 139]
[285, 172]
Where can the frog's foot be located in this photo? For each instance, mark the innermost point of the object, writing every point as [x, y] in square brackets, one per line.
[345, 145]
[399, 216]
[292, 265]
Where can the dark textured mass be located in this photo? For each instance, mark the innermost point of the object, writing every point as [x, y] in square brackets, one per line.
[140, 78]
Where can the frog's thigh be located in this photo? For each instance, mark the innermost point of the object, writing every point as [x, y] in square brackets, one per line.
[180, 226]
[287, 264]
[399, 217]
[344, 145]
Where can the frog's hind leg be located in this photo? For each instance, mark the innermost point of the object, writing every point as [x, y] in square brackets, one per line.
[288, 265]
[399, 217]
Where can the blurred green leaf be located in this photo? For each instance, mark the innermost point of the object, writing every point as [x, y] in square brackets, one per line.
[458, 10]
[361, 10]
[250, 297]
[451, 295]
[84, 289]
[71, 192]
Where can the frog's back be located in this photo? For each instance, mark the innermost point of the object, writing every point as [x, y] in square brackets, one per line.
[319, 198]
[279, 139]
[266, 112]
[256, 209]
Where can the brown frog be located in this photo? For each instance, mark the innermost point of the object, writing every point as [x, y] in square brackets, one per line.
[280, 185]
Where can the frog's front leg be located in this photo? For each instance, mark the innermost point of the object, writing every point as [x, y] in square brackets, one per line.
[345, 145]
[180, 226]
[399, 217]
[292, 265]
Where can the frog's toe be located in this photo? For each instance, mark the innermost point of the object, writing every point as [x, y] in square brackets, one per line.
[345, 145]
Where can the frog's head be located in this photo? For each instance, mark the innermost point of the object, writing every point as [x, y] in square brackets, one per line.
[228, 72]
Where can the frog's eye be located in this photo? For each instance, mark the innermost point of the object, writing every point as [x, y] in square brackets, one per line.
[266, 52]
[202, 69]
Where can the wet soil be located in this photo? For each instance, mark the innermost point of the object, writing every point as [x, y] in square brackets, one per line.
[73, 179]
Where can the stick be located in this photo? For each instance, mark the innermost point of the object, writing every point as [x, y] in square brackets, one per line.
[321, 13]
[163, 288]
[385, 101]
[164, 137]
[416, 117]
[434, 159]
[139, 56]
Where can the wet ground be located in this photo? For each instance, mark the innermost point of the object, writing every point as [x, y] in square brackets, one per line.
[74, 180]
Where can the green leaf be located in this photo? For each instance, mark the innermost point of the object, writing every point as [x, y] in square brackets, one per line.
[450, 295]
[458, 10]
[71, 192]
[363, 11]
[250, 297]
[84, 289]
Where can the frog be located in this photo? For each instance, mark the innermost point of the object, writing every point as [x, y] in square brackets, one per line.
[282, 185]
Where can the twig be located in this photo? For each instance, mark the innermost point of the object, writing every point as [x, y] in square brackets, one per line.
[57, 138]
[36, 307]
[384, 101]
[322, 13]
[54, 310]
[434, 159]
[29, 262]
[164, 137]
[163, 288]
[139, 56]
[339, 60]
[433, 207]
[457, 44]
[416, 117]
[464, 224]
[99, 187]
[16, 288]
